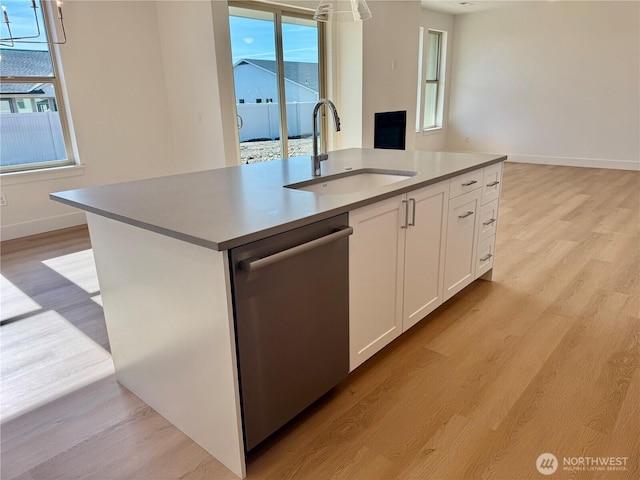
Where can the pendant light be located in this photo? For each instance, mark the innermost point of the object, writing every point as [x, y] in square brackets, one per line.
[12, 40]
[342, 11]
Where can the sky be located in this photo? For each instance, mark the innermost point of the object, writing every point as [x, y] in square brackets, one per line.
[252, 38]
[22, 23]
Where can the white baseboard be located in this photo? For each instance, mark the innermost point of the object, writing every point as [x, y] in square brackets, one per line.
[41, 225]
[577, 162]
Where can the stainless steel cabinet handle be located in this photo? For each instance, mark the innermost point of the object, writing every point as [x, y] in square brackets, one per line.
[465, 215]
[406, 214]
[413, 212]
[486, 258]
[253, 264]
[493, 184]
[468, 184]
[489, 222]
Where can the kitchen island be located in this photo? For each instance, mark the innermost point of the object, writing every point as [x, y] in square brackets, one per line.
[162, 255]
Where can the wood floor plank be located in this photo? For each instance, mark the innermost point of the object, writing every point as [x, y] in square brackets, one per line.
[529, 356]
[41, 434]
[551, 417]
[48, 359]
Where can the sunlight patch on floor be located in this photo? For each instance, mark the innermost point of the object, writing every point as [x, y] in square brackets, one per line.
[97, 299]
[13, 301]
[44, 357]
[78, 267]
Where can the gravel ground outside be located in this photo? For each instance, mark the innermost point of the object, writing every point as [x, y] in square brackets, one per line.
[254, 152]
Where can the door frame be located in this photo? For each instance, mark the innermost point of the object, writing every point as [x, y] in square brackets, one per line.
[279, 12]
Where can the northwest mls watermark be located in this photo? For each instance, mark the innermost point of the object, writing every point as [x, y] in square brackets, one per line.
[548, 464]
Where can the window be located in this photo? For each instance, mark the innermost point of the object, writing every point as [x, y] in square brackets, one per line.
[277, 71]
[34, 131]
[431, 82]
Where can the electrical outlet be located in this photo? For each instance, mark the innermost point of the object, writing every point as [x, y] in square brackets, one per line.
[3, 200]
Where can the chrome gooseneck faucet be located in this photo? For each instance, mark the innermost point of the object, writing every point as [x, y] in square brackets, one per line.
[316, 158]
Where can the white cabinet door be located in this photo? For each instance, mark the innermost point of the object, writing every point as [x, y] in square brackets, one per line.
[424, 252]
[461, 246]
[376, 256]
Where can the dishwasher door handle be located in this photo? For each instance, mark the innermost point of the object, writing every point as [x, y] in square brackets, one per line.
[253, 264]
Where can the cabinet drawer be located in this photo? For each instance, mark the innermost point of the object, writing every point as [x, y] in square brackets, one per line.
[465, 183]
[485, 256]
[488, 220]
[491, 181]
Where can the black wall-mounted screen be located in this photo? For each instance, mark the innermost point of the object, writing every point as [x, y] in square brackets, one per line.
[390, 130]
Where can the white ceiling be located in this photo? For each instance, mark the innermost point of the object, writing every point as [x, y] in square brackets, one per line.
[454, 6]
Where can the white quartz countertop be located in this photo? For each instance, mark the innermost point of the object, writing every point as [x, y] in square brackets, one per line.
[228, 207]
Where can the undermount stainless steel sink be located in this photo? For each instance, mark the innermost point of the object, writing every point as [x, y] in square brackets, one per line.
[352, 181]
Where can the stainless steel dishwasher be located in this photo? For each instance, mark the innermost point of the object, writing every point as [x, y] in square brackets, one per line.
[291, 306]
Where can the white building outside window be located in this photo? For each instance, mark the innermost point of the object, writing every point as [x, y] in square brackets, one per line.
[34, 131]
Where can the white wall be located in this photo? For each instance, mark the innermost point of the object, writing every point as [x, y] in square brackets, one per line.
[436, 140]
[114, 78]
[344, 85]
[549, 82]
[224, 68]
[373, 68]
[188, 46]
[390, 65]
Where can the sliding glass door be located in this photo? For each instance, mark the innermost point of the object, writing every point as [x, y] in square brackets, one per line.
[277, 75]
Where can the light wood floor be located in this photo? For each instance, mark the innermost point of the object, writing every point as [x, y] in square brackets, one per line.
[546, 358]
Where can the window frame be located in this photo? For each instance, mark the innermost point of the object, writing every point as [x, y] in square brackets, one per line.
[290, 11]
[438, 81]
[56, 81]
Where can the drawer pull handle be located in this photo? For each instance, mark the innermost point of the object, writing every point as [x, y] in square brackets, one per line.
[486, 224]
[493, 184]
[468, 184]
[412, 223]
[406, 214]
[486, 258]
[465, 215]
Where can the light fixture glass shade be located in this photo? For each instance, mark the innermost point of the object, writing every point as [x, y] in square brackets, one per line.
[342, 11]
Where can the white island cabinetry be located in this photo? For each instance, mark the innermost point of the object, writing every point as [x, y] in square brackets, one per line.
[410, 253]
[486, 238]
[395, 267]
[471, 227]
